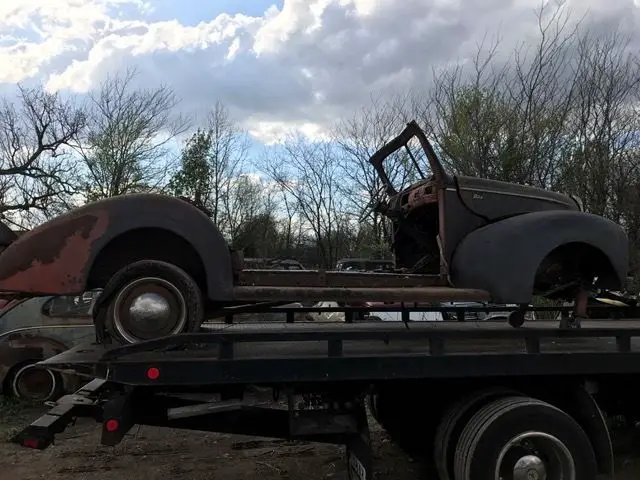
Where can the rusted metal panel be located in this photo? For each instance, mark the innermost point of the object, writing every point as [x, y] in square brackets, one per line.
[336, 279]
[57, 257]
[381, 294]
[54, 257]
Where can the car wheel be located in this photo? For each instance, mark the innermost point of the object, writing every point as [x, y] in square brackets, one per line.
[151, 299]
[33, 383]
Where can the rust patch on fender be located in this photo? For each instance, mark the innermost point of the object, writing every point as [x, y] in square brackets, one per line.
[53, 258]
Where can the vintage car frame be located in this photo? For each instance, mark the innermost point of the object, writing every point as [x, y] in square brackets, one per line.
[489, 241]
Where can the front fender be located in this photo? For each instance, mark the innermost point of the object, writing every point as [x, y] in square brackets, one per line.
[56, 257]
[503, 257]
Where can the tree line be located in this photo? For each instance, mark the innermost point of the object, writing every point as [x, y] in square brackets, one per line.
[560, 113]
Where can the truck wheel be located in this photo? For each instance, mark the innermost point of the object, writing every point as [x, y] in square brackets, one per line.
[33, 383]
[453, 422]
[151, 299]
[523, 438]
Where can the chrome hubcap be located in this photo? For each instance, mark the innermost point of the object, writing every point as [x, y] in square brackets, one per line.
[529, 467]
[148, 308]
[535, 456]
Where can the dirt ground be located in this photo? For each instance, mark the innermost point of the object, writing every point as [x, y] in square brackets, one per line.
[153, 453]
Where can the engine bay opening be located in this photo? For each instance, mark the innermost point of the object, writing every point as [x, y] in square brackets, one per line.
[415, 239]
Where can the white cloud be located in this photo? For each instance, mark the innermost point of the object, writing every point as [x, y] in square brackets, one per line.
[299, 66]
[271, 132]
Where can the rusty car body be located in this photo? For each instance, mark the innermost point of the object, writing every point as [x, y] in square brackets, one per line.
[456, 238]
[35, 329]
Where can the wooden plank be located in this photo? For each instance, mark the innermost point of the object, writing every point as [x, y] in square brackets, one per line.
[377, 294]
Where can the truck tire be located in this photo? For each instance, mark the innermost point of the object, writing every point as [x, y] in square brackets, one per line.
[521, 434]
[151, 299]
[454, 421]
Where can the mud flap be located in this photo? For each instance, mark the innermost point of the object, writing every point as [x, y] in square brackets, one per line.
[358, 450]
[117, 418]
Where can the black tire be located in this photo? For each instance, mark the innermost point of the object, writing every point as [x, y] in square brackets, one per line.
[497, 424]
[32, 383]
[516, 318]
[453, 422]
[175, 292]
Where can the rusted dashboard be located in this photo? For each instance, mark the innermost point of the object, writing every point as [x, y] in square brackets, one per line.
[417, 196]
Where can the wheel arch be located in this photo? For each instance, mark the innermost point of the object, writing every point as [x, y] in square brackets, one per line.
[58, 257]
[504, 257]
[574, 399]
[131, 246]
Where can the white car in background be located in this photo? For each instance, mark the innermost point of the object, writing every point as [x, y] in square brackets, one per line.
[396, 316]
[417, 316]
[475, 315]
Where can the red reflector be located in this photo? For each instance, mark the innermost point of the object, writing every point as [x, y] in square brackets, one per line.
[153, 373]
[112, 425]
[31, 443]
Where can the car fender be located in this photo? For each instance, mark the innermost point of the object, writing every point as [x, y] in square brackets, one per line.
[56, 257]
[503, 257]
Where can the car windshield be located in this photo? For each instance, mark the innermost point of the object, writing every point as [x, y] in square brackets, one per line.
[47, 311]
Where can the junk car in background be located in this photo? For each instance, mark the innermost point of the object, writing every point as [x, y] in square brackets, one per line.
[37, 328]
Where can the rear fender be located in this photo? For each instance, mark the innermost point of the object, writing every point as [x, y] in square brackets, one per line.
[56, 257]
[503, 257]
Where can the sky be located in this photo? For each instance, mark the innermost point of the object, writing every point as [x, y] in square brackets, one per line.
[277, 65]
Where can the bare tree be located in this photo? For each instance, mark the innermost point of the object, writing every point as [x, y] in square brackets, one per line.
[358, 138]
[228, 154]
[126, 143]
[212, 163]
[36, 171]
[243, 203]
[506, 119]
[292, 228]
[307, 172]
[604, 123]
[465, 113]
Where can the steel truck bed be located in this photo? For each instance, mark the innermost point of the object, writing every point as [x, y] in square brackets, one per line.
[312, 352]
[200, 381]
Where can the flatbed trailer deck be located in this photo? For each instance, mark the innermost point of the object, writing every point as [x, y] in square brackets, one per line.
[310, 352]
[330, 373]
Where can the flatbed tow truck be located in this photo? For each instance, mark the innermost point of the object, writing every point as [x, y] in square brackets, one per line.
[476, 400]
[473, 400]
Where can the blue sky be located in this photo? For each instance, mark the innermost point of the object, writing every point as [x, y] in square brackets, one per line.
[192, 12]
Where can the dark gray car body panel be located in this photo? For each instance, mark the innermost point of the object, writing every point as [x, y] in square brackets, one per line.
[503, 257]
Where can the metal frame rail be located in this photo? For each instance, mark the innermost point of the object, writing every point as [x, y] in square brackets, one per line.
[352, 313]
[118, 409]
[307, 352]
